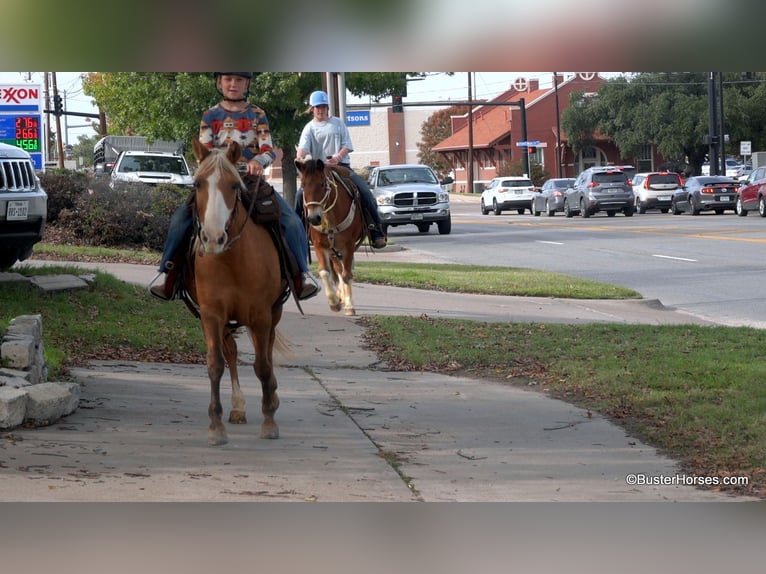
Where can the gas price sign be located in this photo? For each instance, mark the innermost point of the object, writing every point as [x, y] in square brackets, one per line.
[23, 131]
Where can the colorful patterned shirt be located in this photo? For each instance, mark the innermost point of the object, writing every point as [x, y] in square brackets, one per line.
[249, 128]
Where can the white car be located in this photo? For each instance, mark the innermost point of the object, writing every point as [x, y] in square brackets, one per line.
[151, 168]
[505, 193]
[654, 190]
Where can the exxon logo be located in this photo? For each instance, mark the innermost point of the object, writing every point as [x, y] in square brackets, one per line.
[19, 94]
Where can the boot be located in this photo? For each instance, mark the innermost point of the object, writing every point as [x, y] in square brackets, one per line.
[166, 291]
[306, 286]
[377, 239]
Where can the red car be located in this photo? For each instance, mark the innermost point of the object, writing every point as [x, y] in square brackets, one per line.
[752, 193]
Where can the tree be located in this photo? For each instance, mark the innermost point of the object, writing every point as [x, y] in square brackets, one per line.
[169, 105]
[668, 110]
[434, 130]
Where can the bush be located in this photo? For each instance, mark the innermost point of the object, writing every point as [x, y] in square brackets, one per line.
[64, 187]
[133, 215]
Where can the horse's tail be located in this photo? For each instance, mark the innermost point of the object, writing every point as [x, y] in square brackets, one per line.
[282, 345]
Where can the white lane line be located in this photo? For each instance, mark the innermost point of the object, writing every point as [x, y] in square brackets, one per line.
[550, 242]
[675, 258]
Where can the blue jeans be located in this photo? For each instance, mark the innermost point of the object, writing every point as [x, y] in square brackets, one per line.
[295, 234]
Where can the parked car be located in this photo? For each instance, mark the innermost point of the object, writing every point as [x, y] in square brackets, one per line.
[752, 193]
[505, 193]
[743, 172]
[23, 206]
[705, 193]
[411, 194]
[600, 189]
[550, 197]
[653, 190]
[151, 168]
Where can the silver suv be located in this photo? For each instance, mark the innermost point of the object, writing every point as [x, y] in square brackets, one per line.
[23, 206]
[411, 194]
[600, 189]
[151, 168]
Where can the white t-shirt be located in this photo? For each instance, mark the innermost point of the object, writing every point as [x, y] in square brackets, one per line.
[322, 140]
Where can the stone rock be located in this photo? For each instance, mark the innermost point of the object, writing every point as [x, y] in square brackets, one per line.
[46, 403]
[13, 406]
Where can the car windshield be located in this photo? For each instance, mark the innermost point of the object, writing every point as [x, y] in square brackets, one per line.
[154, 163]
[407, 175]
[610, 177]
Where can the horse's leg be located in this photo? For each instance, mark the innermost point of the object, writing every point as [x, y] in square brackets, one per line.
[263, 342]
[327, 275]
[346, 276]
[237, 414]
[215, 367]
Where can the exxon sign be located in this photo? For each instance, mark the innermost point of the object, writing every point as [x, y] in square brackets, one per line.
[19, 98]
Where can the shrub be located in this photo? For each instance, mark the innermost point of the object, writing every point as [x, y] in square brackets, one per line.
[133, 215]
[64, 187]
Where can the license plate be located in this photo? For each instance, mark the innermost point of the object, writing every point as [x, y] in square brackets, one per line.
[724, 198]
[17, 210]
[417, 216]
[518, 191]
[664, 198]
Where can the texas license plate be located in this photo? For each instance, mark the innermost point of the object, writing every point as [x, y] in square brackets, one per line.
[417, 216]
[724, 198]
[17, 210]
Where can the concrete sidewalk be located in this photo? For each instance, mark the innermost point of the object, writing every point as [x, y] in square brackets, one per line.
[350, 429]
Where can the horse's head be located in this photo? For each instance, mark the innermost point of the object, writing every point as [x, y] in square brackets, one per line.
[218, 188]
[317, 186]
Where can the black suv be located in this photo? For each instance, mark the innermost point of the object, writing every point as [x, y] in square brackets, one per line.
[600, 189]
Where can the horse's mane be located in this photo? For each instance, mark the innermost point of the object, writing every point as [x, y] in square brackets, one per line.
[311, 167]
[217, 161]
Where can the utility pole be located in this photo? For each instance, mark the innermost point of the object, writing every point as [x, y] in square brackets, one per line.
[712, 123]
[469, 172]
[558, 125]
[59, 144]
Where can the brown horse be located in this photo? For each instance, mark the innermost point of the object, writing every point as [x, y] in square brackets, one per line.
[236, 281]
[336, 225]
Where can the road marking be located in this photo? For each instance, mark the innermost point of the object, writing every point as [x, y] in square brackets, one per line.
[550, 242]
[675, 258]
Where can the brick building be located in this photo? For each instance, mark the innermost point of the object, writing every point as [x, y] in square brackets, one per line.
[497, 129]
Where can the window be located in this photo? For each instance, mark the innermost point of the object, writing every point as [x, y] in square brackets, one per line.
[644, 161]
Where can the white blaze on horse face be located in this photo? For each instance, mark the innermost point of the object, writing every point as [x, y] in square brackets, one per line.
[213, 232]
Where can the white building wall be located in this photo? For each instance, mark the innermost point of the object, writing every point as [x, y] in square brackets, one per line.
[371, 142]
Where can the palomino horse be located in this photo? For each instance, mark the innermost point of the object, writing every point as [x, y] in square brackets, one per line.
[236, 282]
[336, 226]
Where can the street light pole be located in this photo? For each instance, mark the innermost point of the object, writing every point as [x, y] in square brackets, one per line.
[558, 124]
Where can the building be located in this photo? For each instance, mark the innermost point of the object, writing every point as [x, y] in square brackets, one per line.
[499, 126]
[389, 138]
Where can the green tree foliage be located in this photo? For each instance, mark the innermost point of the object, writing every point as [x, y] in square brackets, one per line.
[669, 110]
[434, 130]
[169, 105]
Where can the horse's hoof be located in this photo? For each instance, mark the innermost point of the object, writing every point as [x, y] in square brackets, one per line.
[238, 417]
[217, 438]
[335, 307]
[350, 312]
[270, 431]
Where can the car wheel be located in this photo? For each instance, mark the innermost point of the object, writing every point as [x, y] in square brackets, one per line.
[629, 211]
[520, 211]
[640, 207]
[444, 226]
[741, 211]
[674, 209]
[567, 211]
[536, 212]
[496, 207]
[583, 210]
[664, 210]
[484, 210]
[551, 212]
[611, 213]
[695, 210]
[762, 206]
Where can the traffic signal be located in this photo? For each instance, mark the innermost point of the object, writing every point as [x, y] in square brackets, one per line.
[58, 109]
[397, 104]
[531, 149]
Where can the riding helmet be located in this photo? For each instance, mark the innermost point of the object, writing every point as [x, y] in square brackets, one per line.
[248, 75]
[319, 98]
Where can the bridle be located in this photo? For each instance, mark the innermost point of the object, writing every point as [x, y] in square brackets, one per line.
[230, 241]
[331, 194]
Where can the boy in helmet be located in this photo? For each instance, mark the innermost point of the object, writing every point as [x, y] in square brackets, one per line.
[327, 138]
[236, 119]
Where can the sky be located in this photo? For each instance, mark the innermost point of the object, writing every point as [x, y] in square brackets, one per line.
[436, 87]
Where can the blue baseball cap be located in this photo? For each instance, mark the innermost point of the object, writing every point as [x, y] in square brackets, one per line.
[319, 98]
